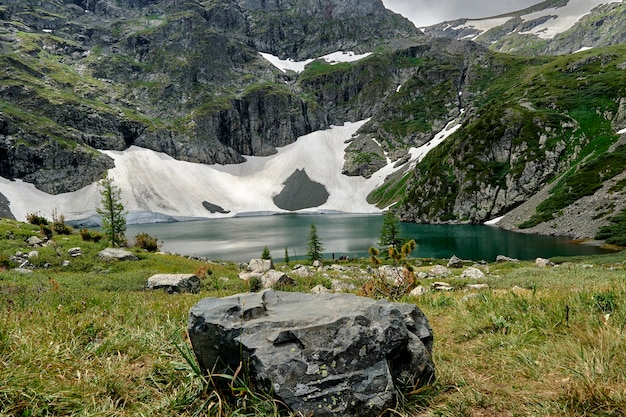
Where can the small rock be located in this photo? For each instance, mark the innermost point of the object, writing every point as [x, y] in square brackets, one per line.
[455, 262]
[477, 286]
[247, 275]
[503, 258]
[65, 263]
[273, 277]
[342, 286]
[34, 241]
[33, 254]
[441, 286]
[318, 264]
[439, 271]
[174, 283]
[320, 289]
[422, 275]
[473, 273]
[110, 254]
[23, 270]
[542, 263]
[302, 271]
[260, 265]
[418, 291]
[75, 252]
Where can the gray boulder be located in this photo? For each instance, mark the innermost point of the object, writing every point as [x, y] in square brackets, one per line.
[75, 252]
[504, 258]
[34, 241]
[320, 354]
[260, 265]
[110, 254]
[439, 271]
[473, 273]
[455, 262]
[174, 283]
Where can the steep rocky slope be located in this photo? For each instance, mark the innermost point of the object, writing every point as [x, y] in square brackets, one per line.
[554, 27]
[180, 77]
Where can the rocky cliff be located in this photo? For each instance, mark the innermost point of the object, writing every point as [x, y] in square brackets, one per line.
[180, 77]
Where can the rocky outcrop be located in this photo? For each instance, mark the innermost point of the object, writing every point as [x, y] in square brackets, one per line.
[319, 354]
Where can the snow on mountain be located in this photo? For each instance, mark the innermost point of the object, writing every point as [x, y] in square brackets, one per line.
[298, 66]
[560, 18]
[155, 187]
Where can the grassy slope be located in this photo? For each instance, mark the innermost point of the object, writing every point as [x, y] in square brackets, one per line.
[540, 96]
[94, 342]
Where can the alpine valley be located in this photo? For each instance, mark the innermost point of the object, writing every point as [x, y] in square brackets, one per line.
[229, 107]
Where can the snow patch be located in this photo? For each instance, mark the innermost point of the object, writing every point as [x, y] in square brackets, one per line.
[563, 18]
[298, 66]
[583, 49]
[621, 132]
[493, 222]
[156, 187]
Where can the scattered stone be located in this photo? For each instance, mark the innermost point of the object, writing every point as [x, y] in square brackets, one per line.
[260, 265]
[65, 263]
[503, 258]
[542, 263]
[422, 275]
[174, 283]
[477, 286]
[418, 291]
[301, 271]
[338, 268]
[441, 286]
[320, 354]
[473, 273]
[23, 270]
[318, 264]
[395, 274]
[34, 241]
[274, 277]
[246, 276]
[439, 271]
[75, 252]
[342, 286]
[320, 289]
[455, 262]
[110, 254]
[33, 254]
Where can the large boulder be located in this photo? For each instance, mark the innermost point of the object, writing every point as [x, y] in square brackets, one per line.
[320, 354]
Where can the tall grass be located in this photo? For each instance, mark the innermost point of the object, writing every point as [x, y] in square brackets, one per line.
[89, 340]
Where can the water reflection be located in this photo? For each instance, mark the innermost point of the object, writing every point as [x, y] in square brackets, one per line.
[240, 239]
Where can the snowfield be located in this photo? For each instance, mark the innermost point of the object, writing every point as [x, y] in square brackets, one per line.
[298, 66]
[563, 18]
[155, 187]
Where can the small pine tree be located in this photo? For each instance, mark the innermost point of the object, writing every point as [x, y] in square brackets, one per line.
[266, 253]
[315, 246]
[390, 232]
[286, 255]
[112, 212]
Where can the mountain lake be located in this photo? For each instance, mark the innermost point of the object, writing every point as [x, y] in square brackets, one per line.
[243, 238]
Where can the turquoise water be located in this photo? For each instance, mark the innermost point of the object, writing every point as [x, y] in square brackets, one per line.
[243, 238]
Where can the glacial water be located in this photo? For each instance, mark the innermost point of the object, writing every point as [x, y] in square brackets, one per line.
[243, 238]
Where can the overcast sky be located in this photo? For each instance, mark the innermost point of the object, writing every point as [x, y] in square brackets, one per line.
[428, 12]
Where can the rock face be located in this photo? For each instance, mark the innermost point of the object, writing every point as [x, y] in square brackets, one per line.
[320, 354]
